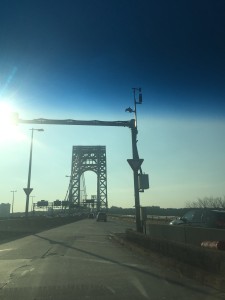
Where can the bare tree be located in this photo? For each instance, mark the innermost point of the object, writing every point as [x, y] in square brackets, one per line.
[207, 202]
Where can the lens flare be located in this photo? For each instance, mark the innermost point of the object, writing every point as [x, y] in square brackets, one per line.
[8, 128]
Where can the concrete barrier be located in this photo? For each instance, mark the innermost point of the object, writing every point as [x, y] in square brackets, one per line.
[185, 234]
[204, 265]
[209, 260]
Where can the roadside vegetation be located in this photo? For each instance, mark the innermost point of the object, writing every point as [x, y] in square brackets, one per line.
[151, 211]
[208, 202]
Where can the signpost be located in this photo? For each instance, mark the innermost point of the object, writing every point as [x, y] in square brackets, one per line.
[135, 163]
[28, 191]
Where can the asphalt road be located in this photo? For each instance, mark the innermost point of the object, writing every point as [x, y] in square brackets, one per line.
[81, 261]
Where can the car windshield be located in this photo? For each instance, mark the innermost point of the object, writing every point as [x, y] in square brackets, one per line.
[112, 122]
[189, 216]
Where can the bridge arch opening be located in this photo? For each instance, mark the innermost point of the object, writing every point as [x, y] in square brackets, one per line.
[88, 189]
[84, 159]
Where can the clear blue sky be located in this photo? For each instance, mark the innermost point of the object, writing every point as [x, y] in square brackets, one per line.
[80, 60]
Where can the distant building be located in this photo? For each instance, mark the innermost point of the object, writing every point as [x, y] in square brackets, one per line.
[4, 210]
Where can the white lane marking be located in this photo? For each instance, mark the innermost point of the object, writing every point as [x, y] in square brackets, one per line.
[89, 241]
[111, 289]
[9, 249]
[102, 261]
[140, 287]
[26, 271]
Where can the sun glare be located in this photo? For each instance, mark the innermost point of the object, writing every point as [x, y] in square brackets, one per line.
[8, 129]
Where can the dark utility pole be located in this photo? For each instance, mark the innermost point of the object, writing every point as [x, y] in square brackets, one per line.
[135, 173]
[136, 162]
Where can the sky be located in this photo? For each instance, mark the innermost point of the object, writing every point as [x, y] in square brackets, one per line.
[80, 60]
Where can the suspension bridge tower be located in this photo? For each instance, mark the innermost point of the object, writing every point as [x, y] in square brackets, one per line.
[88, 158]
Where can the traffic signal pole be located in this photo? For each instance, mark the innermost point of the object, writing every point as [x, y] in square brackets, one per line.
[135, 174]
[135, 162]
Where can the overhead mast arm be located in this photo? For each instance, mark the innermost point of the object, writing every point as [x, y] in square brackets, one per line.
[132, 124]
[42, 121]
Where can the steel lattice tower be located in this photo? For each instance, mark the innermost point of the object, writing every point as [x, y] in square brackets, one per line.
[89, 158]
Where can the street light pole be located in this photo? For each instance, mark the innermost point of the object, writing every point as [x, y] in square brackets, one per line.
[13, 200]
[28, 190]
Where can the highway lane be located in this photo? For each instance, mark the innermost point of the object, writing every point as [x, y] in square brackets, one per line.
[80, 261]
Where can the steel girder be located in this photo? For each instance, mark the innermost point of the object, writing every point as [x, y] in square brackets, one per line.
[88, 158]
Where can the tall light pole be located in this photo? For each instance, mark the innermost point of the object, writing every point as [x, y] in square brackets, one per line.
[28, 190]
[13, 200]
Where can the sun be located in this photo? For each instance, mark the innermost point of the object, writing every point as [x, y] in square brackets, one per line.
[8, 128]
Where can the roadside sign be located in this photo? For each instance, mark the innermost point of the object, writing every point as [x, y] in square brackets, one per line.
[89, 200]
[135, 163]
[42, 203]
[57, 203]
[28, 191]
